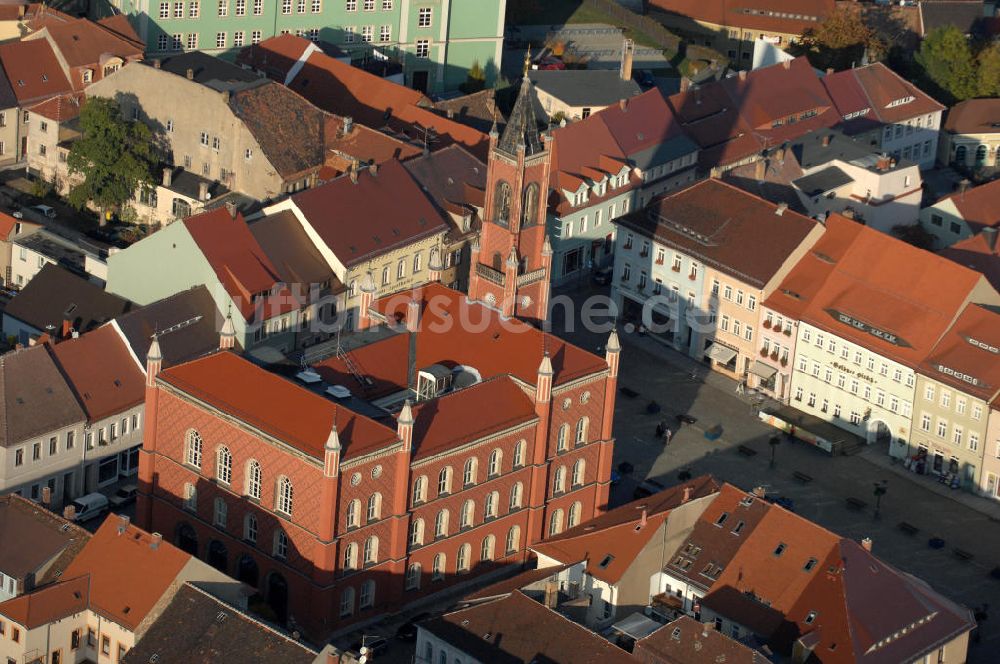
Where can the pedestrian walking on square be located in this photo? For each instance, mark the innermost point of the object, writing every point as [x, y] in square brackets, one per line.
[667, 435]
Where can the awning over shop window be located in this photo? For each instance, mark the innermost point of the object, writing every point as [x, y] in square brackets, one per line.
[765, 371]
[721, 354]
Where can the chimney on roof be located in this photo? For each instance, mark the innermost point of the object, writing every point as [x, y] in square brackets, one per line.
[628, 54]
[46, 495]
[760, 169]
[759, 491]
[450, 113]
[623, 104]
[156, 63]
[964, 185]
[687, 494]
[168, 176]
[826, 140]
[551, 594]
[990, 237]
[373, 168]
[123, 522]
[69, 512]
[685, 83]
[154, 541]
[780, 210]
[231, 209]
[866, 544]
[642, 521]
[847, 213]
[203, 191]
[829, 70]
[348, 125]
[352, 171]
[190, 74]
[787, 64]
[225, 96]
[743, 74]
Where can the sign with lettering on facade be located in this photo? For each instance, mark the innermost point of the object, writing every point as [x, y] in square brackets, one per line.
[876, 332]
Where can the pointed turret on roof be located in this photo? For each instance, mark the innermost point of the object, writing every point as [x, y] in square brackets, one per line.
[522, 127]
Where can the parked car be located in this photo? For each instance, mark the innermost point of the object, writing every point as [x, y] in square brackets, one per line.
[408, 630]
[647, 488]
[89, 507]
[44, 210]
[376, 645]
[124, 496]
[645, 79]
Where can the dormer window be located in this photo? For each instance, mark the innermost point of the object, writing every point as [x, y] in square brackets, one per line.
[88, 75]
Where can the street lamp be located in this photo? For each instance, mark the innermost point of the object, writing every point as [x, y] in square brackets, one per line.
[880, 490]
[773, 442]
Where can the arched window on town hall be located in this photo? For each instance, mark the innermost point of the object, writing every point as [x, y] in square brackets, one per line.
[223, 465]
[253, 479]
[192, 449]
[283, 503]
[501, 203]
[556, 522]
[529, 205]
[417, 532]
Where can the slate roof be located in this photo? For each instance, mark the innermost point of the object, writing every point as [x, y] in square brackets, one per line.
[584, 87]
[699, 221]
[208, 70]
[966, 15]
[195, 628]
[188, 324]
[55, 295]
[783, 16]
[289, 129]
[477, 110]
[7, 97]
[35, 398]
[522, 125]
[454, 180]
[42, 536]
[517, 629]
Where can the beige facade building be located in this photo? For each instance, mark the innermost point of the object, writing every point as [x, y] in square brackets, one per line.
[223, 124]
[955, 386]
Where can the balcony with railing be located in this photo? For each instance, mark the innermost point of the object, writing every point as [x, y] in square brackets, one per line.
[489, 274]
[531, 277]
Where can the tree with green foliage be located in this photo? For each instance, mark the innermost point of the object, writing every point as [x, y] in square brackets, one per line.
[475, 80]
[947, 61]
[841, 41]
[115, 156]
[988, 70]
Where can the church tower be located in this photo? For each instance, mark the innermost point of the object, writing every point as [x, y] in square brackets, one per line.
[511, 261]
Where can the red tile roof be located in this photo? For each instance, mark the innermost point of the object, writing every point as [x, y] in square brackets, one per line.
[619, 533]
[968, 356]
[798, 288]
[84, 43]
[751, 246]
[276, 406]
[101, 370]
[776, 16]
[339, 88]
[974, 116]
[454, 419]
[494, 346]
[976, 254]
[55, 602]
[128, 576]
[33, 70]
[59, 109]
[396, 210]
[979, 206]
[879, 94]
[240, 264]
[687, 641]
[894, 287]
[8, 225]
[363, 144]
[518, 629]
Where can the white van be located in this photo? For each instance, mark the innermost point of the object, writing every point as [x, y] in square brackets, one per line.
[90, 506]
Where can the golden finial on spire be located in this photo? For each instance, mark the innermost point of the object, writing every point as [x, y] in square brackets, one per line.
[527, 61]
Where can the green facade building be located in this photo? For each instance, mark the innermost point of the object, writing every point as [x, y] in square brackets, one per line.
[436, 41]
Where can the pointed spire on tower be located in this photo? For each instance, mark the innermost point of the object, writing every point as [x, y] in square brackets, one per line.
[614, 345]
[546, 246]
[521, 131]
[154, 349]
[333, 439]
[545, 367]
[227, 336]
[406, 414]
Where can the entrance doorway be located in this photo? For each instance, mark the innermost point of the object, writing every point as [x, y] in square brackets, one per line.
[277, 596]
[187, 539]
[420, 79]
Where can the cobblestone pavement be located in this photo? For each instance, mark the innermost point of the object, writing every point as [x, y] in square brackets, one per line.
[965, 522]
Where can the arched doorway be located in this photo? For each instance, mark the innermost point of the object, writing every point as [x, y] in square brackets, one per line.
[879, 433]
[246, 570]
[187, 539]
[277, 596]
[218, 556]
